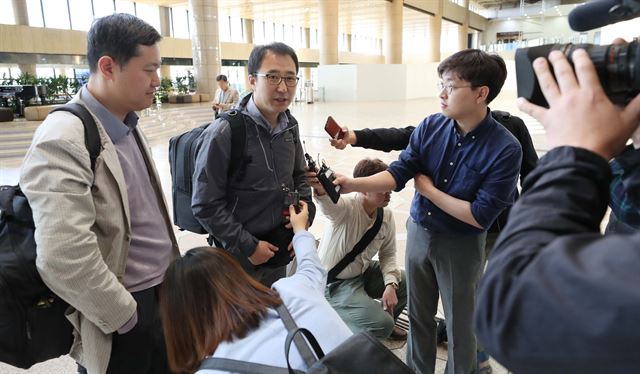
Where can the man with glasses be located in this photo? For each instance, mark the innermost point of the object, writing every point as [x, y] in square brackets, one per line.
[241, 212]
[465, 166]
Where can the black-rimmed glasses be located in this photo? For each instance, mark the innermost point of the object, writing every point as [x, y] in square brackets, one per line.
[275, 79]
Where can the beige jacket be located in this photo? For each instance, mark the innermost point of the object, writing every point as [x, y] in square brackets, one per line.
[83, 230]
[347, 224]
[230, 98]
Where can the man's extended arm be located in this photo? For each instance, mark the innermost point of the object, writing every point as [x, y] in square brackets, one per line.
[385, 139]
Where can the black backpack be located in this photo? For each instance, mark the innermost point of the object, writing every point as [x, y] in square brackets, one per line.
[33, 327]
[183, 150]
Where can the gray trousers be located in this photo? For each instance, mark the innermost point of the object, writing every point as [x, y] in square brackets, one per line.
[451, 265]
[354, 300]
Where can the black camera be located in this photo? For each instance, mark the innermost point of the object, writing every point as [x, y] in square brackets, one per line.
[325, 176]
[290, 198]
[616, 64]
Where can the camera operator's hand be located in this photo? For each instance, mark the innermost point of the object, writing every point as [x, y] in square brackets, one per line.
[580, 114]
[264, 251]
[349, 138]
[299, 220]
[313, 182]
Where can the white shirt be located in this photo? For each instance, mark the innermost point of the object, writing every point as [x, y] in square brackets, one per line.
[348, 221]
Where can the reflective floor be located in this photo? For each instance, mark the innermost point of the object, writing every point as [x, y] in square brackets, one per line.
[159, 124]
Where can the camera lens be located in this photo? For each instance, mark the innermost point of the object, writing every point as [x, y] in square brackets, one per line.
[616, 66]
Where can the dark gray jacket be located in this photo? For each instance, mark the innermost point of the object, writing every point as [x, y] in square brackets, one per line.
[235, 211]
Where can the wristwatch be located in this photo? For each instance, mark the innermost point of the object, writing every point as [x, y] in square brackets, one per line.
[393, 284]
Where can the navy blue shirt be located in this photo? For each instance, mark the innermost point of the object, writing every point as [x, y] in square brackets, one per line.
[481, 167]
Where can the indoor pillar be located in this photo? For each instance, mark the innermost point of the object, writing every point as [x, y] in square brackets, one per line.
[463, 30]
[328, 32]
[247, 30]
[393, 32]
[165, 21]
[205, 44]
[306, 38]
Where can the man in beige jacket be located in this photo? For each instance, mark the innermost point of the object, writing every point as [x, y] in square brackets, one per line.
[104, 237]
[226, 97]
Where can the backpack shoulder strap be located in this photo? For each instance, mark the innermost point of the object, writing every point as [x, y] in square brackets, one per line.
[91, 135]
[238, 159]
[245, 367]
[358, 248]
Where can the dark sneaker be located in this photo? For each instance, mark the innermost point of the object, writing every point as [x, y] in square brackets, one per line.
[485, 370]
[398, 334]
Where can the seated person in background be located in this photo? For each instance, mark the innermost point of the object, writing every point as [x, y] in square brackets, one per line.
[354, 289]
[211, 307]
[226, 97]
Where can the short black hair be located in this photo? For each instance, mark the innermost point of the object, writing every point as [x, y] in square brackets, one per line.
[478, 68]
[258, 52]
[368, 166]
[221, 77]
[118, 36]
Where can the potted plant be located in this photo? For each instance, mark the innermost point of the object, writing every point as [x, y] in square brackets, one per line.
[162, 94]
[182, 86]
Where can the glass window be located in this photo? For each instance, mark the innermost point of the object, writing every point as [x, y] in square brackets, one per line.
[292, 35]
[5, 75]
[45, 72]
[268, 32]
[415, 31]
[149, 13]
[56, 14]
[278, 32]
[449, 37]
[342, 42]
[34, 11]
[225, 29]
[123, 6]
[236, 29]
[180, 22]
[6, 16]
[179, 71]
[81, 14]
[313, 43]
[103, 8]
[258, 32]
[235, 76]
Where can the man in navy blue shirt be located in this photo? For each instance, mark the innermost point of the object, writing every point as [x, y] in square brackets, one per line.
[465, 167]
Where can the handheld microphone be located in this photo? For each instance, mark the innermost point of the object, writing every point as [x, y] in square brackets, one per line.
[600, 13]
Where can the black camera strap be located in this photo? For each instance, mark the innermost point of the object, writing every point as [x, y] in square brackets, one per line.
[358, 248]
